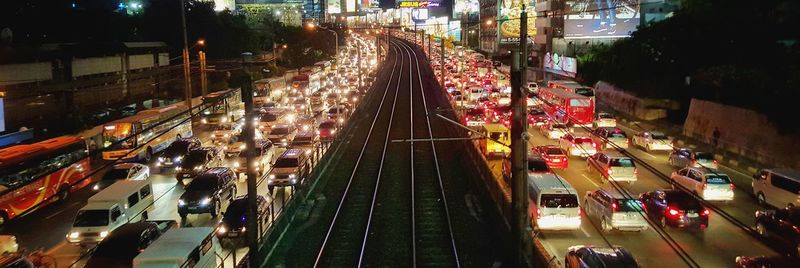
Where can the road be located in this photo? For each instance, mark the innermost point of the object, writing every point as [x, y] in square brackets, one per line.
[378, 207]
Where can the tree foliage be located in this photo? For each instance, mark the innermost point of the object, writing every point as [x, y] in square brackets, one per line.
[736, 52]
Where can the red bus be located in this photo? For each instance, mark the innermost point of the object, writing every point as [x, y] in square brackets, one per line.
[42, 172]
[567, 107]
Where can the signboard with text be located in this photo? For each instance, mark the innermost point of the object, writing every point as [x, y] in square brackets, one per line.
[417, 4]
[509, 19]
[334, 6]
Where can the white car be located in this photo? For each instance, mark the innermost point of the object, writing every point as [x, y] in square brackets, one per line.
[225, 132]
[652, 141]
[604, 120]
[122, 171]
[708, 184]
[554, 131]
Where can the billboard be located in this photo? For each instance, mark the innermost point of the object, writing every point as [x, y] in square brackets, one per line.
[351, 6]
[419, 15]
[2, 116]
[508, 20]
[334, 6]
[455, 30]
[558, 64]
[600, 18]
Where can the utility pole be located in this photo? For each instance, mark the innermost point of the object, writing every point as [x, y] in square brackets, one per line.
[187, 74]
[203, 75]
[250, 145]
[430, 41]
[441, 68]
[519, 148]
[274, 55]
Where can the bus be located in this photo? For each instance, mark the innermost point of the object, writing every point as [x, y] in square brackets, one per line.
[222, 106]
[572, 86]
[40, 173]
[268, 89]
[150, 131]
[567, 107]
[300, 82]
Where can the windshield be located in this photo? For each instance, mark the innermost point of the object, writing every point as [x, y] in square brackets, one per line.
[195, 157]
[629, 205]
[203, 183]
[622, 162]
[559, 126]
[280, 131]
[536, 112]
[326, 125]
[617, 135]
[537, 165]
[704, 156]
[113, 133]
[682, 200]
[235, 215]
[604, 116]
[269, 117]
[91, 218]
[579, 102]
[717, 179]
[553, 151]
[585, 91]
[475, 112]
[301, 140]
[659, 136]
[225, 127]
[286, 163]
[496, 135]
[559, 201]
[116, 174]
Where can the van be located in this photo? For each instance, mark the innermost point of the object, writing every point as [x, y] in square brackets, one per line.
[553, 203]
[122, 202]
[181, 247]
[289, 169]
[497, 140]
[777, 187]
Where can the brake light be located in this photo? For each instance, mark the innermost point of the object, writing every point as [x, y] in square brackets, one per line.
[609, 172]
[580, 211]
[672, 211]
[715, 162]
[614, 206]
[705, 185]
[733, 187]
[635, 171]
[538, 213]
[706, 212]
[594, 144]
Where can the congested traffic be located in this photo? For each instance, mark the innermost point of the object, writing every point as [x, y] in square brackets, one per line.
[603, 189]
[166, 167]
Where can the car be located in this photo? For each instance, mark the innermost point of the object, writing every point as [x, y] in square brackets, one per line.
[781, 227]
[327, 130]
[537, 117]
[764, 262]
[532, 87]
[306, 140]
[122, 171]
[351, 97]
[123, 244]
[8, 244]
[269, 118]
[674, 208]
[612, 166]
[236, 147]
[652, 141]
[554, 130]
[602, 119]
[289, 170]
[597, 257]
[207, 191]
[554, 156]
[332, 98]
[536, 166]
[317, 98]
[231, 230]
[610, 137]
[337, 113]
[708, 184]
[263, 157]
[501, 114]
[300, 106]
[685, 157]
[577, 144]
[225, 133]
[197, 161]
[176, 151]
[614, 211]
[281, 135]
[475, 117]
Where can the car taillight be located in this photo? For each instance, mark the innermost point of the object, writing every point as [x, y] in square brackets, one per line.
[672, 211]
[733, 187]
[614, 207]
[580, 211]
[609, 172]
[705, 185]
[635, 171]
[706, 212]
[716, 162]
[538, 213]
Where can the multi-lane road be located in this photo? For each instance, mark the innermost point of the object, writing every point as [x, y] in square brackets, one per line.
[391, 202]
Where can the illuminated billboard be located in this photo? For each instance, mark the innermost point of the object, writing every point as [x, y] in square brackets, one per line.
[334, 6]
[558, 64]
[509, 20]
[416, 4]
[462, 6]
[351, 6]
[600, 18]
[419, 14]
[2, 116]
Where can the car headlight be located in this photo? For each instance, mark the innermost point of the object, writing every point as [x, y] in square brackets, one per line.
[236, 164]
[160, 159]
[222, 230]
[292, 176]
[96, 187]
[178, 168]
[271, 176]
[103, 234]
[333, 131]
[198, 167]
[74, 235]
[181, 202]
[243, 146]
[226, 135]
[204, 121]
[317, 132]
[341, 120]
[225, 147]
[283, 140]
[292, 181]
[205, 201]
[178, 159]
[224, 119]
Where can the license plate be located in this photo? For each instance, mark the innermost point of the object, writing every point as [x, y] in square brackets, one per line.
[233, 234]
[692, 215]
[192, 208]
[556, 160]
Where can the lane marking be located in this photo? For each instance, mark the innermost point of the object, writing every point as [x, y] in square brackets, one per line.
[585, 232]
[590, 180]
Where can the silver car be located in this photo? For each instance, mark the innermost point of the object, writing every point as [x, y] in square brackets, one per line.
[613, 166]
[614, 211]
[685, 157]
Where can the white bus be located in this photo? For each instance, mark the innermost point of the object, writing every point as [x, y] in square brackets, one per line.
[195, 247]
[222, 107]
[145, 141]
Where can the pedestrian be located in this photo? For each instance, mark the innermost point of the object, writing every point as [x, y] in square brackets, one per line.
[715, 137]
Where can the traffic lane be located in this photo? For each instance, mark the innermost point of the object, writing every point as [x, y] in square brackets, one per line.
[704, 251]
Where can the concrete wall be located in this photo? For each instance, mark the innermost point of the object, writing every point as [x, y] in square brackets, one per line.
[742, 131]
[96, 65]
[25, 73]
[628, 103]
[141, 61]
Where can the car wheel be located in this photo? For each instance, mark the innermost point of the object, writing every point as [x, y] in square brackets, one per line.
[648, 148]
[63, 193]
[148, 154]
[761, 229]
[761, 199]
[605, 225]
[3, 219]
[663, 222]
[215, 209]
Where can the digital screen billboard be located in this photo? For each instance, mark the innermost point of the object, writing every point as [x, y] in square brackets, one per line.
[509, 20]
[558, 64]
[600, 18]
[351, 6]
[419, 14]
[334, 6]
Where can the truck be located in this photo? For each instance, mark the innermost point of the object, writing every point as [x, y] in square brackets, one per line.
[300, 82]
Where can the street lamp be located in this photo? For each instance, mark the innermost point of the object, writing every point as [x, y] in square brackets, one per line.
[489, 22]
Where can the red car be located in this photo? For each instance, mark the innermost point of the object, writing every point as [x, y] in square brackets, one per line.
[327, 130]
[553, 155]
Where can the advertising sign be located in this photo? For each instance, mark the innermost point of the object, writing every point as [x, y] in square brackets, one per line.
[334, 6]
[2, 116]
[351, 6]
[558, 64]
[455, 30]
[600, 18]
[419, 15]
[509, 20]
[412, 4]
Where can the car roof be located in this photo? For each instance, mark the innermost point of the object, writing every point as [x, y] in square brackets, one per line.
[786, 172]
[293, 152]
[614, 154]
[214, 171]
[615, 254]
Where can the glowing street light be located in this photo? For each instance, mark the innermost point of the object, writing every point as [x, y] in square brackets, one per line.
[489, 22]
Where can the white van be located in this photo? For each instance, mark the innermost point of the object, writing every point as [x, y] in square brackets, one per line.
[777, 187]
[122, 202]
[181, 247]
[553, 203]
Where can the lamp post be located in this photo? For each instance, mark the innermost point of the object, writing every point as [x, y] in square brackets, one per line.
[187, 79]
[203, 66]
